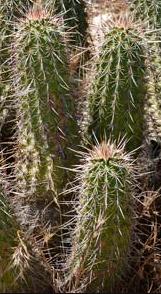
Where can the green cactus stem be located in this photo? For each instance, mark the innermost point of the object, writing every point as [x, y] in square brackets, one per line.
[101, 237]
[153, 102]
[149, 159]
[8, 231]
[46, 126]
[115, 100]
[75, 18]
[14, 8]
[9, 11]
[148, 11]
[22, 266]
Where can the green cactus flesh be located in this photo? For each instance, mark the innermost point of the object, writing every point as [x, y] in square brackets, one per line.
[45, 123]
[101, 236]
[115, 101]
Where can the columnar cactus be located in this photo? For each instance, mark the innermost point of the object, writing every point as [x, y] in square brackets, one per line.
[150, 156]
[15, 8]
[101, 237]
[45, 111]
[22, 266]
[9, 10]
[75, 19]
[153, 103]
[148, 11]
[8, 231]
[115, 100]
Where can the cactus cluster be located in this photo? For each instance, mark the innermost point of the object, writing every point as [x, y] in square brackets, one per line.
[61, 232]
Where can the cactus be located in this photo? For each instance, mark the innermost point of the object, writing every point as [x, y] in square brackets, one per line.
[74, 13]
[45, 121]
[9, 11]
[115, 100]
[151, 151]
[148, 11]
[101, 237]
[8, 231]
[152, 105]
[22, 265]
[50, 241]
[14, 8]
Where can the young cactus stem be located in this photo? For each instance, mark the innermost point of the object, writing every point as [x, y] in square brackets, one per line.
[7, 241]
[148, 11]
[101, 237]
[45, 111]
[150, 156]
[46, 127]
[152, 105]
[74, 14]
[115, 100]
